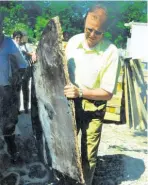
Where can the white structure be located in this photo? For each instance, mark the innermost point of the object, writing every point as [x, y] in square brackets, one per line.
[138, 43]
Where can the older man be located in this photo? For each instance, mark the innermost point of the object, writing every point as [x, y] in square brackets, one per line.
[8, 108]
[93, 68]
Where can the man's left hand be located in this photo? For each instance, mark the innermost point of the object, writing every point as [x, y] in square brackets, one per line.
[71, 91]
[34, 57]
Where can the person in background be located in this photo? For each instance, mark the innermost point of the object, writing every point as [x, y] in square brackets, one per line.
[27, 53]
[8, 105]
[66, 36]
[28, 49]
[65, 39]
[21, 41]
[94, 69]
[17, 38]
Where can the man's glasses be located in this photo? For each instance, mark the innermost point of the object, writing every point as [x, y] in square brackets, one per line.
[95, 31]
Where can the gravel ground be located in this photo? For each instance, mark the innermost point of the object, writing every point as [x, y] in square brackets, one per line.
[122, 157]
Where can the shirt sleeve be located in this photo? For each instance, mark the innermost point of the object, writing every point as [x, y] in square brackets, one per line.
[15, 52]
[111, 74]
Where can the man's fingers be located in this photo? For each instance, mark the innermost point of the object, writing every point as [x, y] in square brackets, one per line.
[68, 86]
[70, 95]
[69, 89]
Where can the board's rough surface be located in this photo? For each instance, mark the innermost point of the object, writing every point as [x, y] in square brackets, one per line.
[55, 111]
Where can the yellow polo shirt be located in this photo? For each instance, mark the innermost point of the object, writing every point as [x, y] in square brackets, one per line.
[96, 67]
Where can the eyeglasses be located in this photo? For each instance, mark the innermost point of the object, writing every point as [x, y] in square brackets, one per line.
[90, 30]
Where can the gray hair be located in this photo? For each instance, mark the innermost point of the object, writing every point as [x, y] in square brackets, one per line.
[94, 10]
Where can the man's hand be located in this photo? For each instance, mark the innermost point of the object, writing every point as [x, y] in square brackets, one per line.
[34, 57]
[71, 91]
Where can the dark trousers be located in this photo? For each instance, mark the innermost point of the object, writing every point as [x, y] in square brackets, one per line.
[25, 86]
[8, 116]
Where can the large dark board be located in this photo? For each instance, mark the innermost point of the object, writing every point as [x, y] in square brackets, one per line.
[55, 111]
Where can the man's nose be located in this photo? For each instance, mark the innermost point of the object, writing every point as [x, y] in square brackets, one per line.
[92, 34]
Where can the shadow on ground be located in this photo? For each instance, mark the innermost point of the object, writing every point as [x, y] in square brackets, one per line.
[114, 169]
[140, 133]
[121, 148]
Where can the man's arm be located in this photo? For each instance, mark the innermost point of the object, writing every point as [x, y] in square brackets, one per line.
[20, 60]
[72, 91]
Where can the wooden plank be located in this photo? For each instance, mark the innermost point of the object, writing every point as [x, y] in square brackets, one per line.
[112, 116]
[120, 79]
[133, 101]
[55, 111]
[115, 101]
[115, 110]
[119, 94]
[114, 105]
[141, 107]
[127, 99]
[138, 67]
[140, 81]
[119, 87]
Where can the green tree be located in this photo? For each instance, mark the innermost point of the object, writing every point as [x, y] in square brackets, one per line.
[32, 16]
[15, 18]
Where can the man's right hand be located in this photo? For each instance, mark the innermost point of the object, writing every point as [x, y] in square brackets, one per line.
[34, 57]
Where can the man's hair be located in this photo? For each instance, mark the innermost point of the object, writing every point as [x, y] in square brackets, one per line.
[17, 33]
[94, 9]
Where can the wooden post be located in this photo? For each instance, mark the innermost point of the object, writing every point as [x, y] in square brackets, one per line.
[127, 98]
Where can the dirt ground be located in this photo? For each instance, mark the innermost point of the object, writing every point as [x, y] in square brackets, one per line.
[122, 157]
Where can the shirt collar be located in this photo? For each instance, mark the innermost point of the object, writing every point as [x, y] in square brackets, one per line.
[97, 49]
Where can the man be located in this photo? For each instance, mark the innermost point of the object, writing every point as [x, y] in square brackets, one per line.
[65, 39]
[21, 41]
[94, 69]
[8, 107]
[26, 50]
[17, 37]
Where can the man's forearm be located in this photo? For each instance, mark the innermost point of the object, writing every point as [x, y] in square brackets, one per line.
[72, 91]
[96, 94]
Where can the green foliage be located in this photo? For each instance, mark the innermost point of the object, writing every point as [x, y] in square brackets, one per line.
[40, 25]
[121, 13]
[15, 18]
[108, 35]
[33, 16]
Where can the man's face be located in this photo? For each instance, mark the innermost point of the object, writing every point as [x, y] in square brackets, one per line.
[93, 30]
[18, 39]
